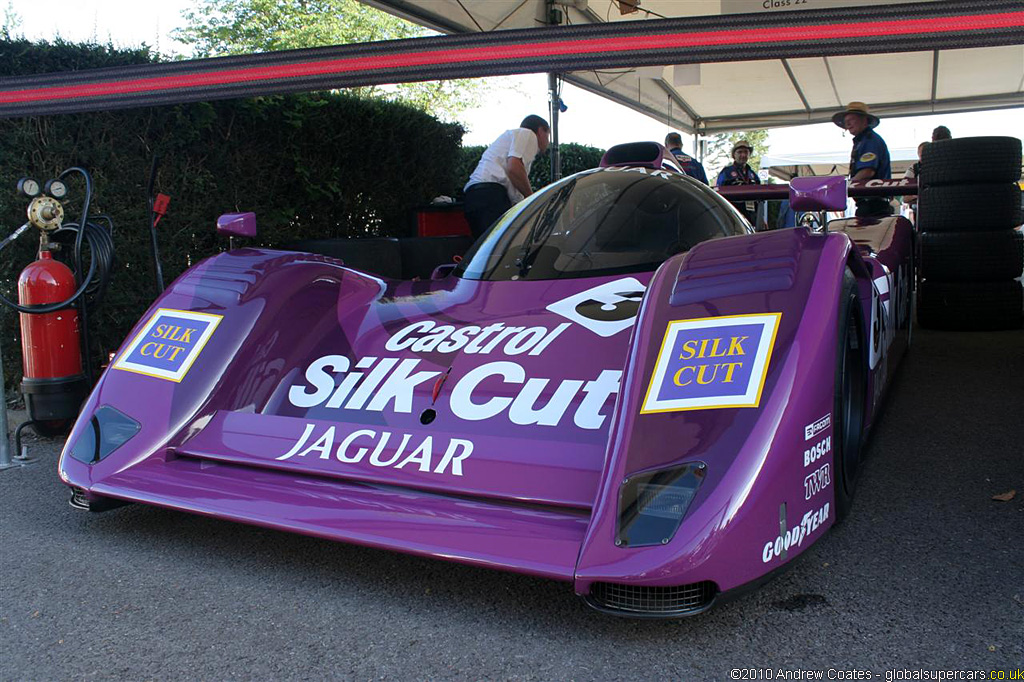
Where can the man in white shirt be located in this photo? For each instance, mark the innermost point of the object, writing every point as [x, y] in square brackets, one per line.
[502, 178]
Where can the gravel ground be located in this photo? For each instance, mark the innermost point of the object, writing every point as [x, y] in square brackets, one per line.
[926, 574]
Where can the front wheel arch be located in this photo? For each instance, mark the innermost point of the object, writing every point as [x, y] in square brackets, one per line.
[850, 394]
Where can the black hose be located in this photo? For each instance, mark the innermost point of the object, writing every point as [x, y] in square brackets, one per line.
[84, 218]
[83, 311]
[96, 280]
[157, 270]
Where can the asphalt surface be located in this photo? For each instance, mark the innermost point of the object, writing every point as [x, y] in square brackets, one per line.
[926, 574]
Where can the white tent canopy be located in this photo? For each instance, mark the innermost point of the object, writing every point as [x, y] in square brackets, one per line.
[740, 95]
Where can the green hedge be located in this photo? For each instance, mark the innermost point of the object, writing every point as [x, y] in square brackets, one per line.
[320, 165]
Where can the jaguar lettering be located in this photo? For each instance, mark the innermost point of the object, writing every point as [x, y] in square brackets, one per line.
[384, 450]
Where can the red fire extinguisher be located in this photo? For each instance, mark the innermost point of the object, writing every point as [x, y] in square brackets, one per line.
[50, 344]
[54, 383]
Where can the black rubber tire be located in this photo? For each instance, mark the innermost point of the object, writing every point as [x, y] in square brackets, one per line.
[972, 256]
[970, 306]
[969, 207]
[850, 396]
[971, 160]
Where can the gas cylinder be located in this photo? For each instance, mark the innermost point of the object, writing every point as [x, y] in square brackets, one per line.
[54, 384]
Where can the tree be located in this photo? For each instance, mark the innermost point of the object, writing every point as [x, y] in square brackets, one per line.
[719, 147]
[225, 27]
[12, 21]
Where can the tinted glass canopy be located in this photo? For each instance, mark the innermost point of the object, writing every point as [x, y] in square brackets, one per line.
[601, 222]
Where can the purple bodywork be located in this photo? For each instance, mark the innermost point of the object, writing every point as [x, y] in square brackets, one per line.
[483, 422]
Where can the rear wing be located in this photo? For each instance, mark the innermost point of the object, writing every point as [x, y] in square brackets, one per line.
[827, 193]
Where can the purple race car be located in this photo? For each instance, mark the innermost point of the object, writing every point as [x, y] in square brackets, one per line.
[621, 386]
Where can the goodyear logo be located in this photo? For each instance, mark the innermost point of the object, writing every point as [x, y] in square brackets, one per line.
[712, 363]
[168, 344]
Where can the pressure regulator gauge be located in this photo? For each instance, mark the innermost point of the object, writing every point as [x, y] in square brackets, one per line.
[56, 189]
[28, 187]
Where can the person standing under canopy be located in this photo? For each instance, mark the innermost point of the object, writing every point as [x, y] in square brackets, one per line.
[502, 177]
[739, 173]
[869, 159]
[690, 165]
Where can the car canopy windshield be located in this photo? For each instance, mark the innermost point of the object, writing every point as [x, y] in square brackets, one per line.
[601, 222]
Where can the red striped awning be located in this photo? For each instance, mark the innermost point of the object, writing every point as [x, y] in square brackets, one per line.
[820, 33]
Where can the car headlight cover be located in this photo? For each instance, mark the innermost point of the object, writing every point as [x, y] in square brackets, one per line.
[108, 430]
[652, 505]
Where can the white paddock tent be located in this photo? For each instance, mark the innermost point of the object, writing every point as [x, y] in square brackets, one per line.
[771, 92]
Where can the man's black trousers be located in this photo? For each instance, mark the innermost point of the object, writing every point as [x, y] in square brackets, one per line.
[485, 202]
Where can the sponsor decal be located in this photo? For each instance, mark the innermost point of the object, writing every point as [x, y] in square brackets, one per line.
[494, 389]
[795, 537]
[817, 451]
[890, 307]
[869, 156]
[427, 336]
[902, 182]
[375, 384]
[881, 316]
[901, 294]
[812, 430]
[713, 362]
[385, 449]
[168, 344]
[817, 481]
[606, 309]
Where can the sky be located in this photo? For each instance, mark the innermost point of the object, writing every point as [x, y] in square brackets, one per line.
[589, 119]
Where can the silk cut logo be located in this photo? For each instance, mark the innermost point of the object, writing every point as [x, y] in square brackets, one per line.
[713, 362]
[168, 344]
[606, 309]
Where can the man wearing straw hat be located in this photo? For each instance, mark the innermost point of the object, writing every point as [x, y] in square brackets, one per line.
[869, 159]
[739, 173]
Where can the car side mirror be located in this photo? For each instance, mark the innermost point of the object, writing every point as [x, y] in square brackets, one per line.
[237, 224]
[442, 271]
[818, 194]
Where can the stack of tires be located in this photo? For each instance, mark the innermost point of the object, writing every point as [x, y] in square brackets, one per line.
[971, 255]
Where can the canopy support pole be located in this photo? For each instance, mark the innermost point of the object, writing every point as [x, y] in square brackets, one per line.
[555, 103]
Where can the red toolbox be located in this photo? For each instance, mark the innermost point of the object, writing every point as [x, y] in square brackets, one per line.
[441, 220]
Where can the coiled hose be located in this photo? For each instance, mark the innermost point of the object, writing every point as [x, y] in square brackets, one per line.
[101, 265]
[97, 279]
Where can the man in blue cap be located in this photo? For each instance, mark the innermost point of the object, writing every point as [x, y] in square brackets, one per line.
[869, 159]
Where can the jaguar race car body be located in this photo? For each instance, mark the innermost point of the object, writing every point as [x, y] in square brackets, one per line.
[621, 386]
